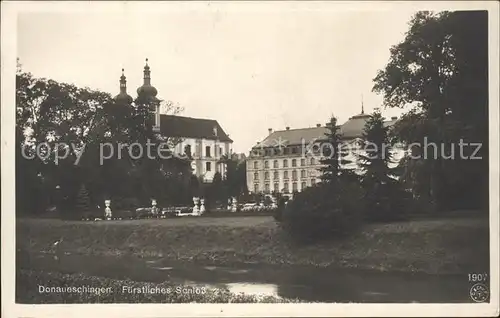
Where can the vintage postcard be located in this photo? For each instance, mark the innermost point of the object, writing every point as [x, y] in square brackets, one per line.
[260, 158]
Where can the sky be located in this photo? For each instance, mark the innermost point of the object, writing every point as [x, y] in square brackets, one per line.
[250, 69]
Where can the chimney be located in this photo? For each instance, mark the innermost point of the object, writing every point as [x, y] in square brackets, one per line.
[270, 130]
[394, 117]
[318, 125]
[287, 128]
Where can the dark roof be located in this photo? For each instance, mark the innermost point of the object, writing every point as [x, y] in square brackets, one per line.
[187, 127]
[351, 129]
[293, 136]
[354, 126]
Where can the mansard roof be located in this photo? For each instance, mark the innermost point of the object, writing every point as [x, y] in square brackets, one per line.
[188, 127]
[351, 129]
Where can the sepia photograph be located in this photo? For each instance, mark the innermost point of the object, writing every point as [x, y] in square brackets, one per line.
[293, 154]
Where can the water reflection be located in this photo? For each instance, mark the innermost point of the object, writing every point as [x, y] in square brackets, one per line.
[253, 289]
[302, 282]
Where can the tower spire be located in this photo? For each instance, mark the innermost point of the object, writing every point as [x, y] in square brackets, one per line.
[123, 82]
[147, 74]
[362, 105]
[123, 97]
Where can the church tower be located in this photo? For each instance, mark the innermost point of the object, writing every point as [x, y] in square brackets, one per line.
[123, 98]
[147, 94]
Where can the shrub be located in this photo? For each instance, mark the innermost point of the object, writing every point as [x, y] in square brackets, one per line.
[83, 206]
[319, 212]
[121, 203]
[278, 212]
[388, 203]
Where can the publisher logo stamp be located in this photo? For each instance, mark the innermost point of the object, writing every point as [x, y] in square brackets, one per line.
[479, 293]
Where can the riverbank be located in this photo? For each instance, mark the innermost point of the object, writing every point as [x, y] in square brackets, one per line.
[448, 246]
[40, 287]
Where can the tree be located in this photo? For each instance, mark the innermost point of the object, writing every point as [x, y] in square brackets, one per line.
[83, 202]
[382, 191]
[441, 68]
[216, 189]
[235, 182]
[376, 152]
[55, 113]
[51, 113]
[334, 155]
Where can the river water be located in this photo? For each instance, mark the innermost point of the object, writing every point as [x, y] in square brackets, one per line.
[303, 282]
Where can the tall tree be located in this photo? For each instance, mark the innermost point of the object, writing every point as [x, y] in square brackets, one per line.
[55, 113]
[441, 68]
[376, 155]
[335, 156]
[382, 191]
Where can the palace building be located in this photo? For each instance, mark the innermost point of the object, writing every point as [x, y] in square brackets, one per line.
[283, 162]
[204, 139]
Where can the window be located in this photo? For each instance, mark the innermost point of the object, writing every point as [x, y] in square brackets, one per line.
[276, 187]
[266, 164]
[313, 181]
[286, 188]
[207, 152]
[294, 174]
[294, 186]
[294, 162]
[256, 188]
[303, 186]
[302, 173]
[220, 151]
[256, 165]
[267, 188]
[302, 162]
[187, 151]
[266, 175]
[256, 176]
[285, 163]
[275, 164]
[276, 175]
[295, 150]
[208, 166]
[313, 162]
[285, 175]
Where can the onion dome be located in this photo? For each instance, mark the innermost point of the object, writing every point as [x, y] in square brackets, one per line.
[146, 91]
[123, 97]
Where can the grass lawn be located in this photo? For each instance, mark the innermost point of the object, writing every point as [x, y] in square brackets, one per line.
[459, 245]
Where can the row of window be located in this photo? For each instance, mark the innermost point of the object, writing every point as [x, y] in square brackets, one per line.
[208, 167]
[208, 151]
[312, 161]
[287, 150]
[276, 175]
[286, 186]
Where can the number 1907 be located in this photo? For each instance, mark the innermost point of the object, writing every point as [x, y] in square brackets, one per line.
[478, 277]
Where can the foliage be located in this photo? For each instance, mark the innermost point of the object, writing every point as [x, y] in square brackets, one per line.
[83, 205]
[335, 156]
[383, 193]
[235, 182]
[90, 122]
[441, 69]
[324, 211]
[281, 202]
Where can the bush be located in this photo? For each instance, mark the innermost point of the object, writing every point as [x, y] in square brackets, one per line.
[390, 203]
[125, 203]
[278, 212]
[319, 212]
